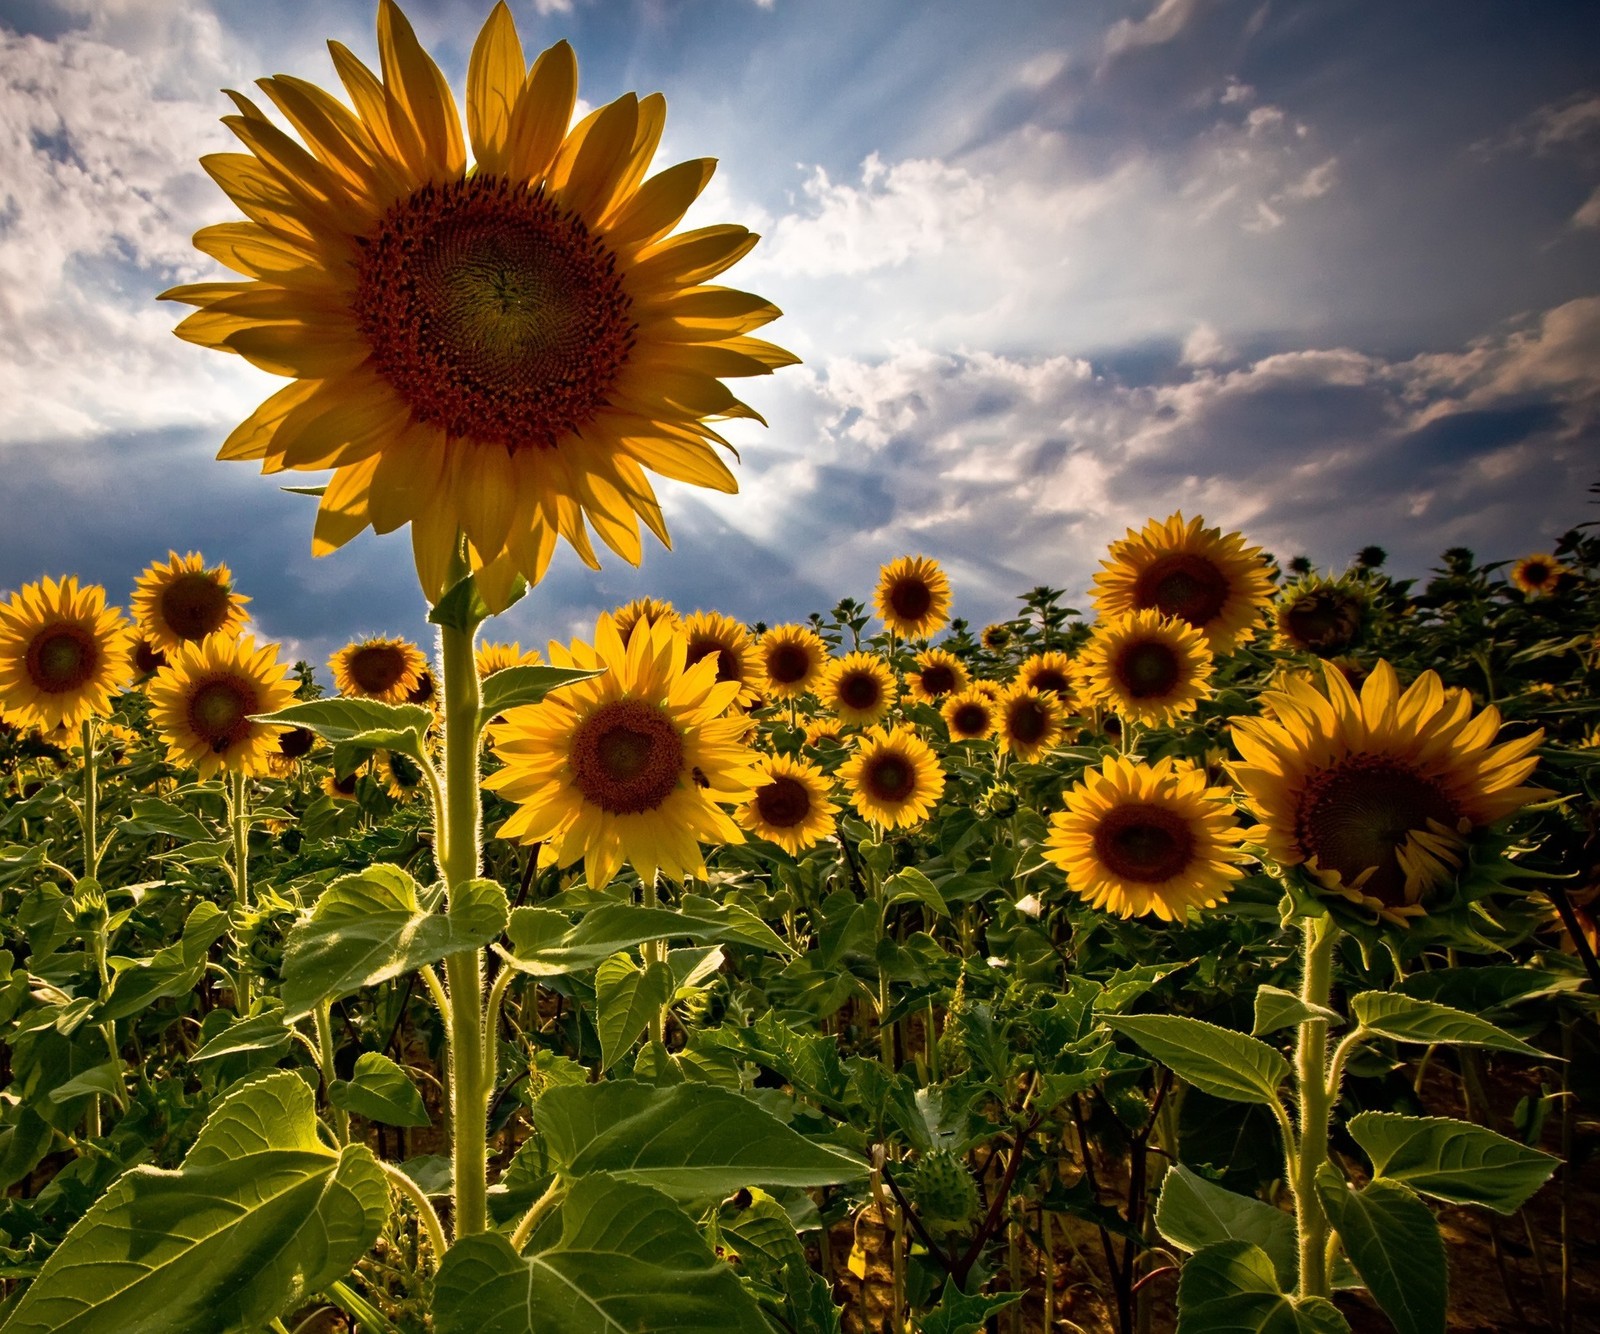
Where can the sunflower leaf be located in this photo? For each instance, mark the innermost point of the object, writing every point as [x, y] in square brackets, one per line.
[1407, 1019]
[1193, 1213]
[512, 686]
[626, 996]
[1277, 1008]
[1232, 1286]
[364, 723]
[463, 608]
[1215, 1060]
[380, 1090]
[546, 943]
[1452, 1160]
[1394, 1244]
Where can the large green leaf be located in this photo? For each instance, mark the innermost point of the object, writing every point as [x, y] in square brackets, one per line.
[261, 1215]
[364, 723]
[546, 943]
[1407, 1019]
[626, 996]
[173, 970]
[693, 1141]
[1232, 1288]
[511, 686]
[372, 926]
[1193, 1213]
[1216, 1060]
[1393, 1242]
[957, 1313]
[380, 1090]
[626, 1259]
[1452, 1160]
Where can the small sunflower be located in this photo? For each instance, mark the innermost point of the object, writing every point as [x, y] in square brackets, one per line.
[294, 744]
[387, 670]
[858, 688]
[1149, 667]
[971, 714]
[913, 597]
[1050, 671]
[1320, 616]
[203, 700]
[401, 776]
[63, 654]
[496, 657]
[180, 601]
[791, 806]
[1182, 568]
[341, 789]
[824, 730]
[713, 635]
[996, 638]
[792, 660]
[145, 658]
[642, 609]
[628, 766]
[1375, 794]
[1535, 576]
[1142, 838]
[426, 691]
[937, 675]
[894, 779]
[1030, 722]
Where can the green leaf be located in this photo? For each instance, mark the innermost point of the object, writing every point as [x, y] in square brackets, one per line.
[693, 1141]
[511, 686]
[261, 1215]
[1407, 1019]
[626, 997]
[1125, 986]
[626, 1259]
[371, 926]
[462, 608]
[380, 1090]
[259, 1033]
[909, 885]
[958, 1313]
[1216, 1060]
[1452, 1160]
[363, 723]
[173, 970]
[1393, 1242]
[151, 815]
[1193, 1213]
[1277, 1008]
[1231, 1288]
[545, 943]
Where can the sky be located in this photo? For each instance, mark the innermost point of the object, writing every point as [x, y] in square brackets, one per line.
[1328, 274]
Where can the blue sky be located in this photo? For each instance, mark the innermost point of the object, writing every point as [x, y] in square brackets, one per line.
[1327, 273]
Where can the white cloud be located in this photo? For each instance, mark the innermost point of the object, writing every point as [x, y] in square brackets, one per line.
[1159, 26]
[1588, 214]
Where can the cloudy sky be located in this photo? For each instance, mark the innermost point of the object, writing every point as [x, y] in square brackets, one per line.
[1327, 273]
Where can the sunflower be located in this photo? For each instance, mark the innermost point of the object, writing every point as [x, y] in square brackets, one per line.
[1149, 667]
[341, 789]
[63, 654]
[426, 691]
[1374, 794]
[1320, 616]
[294, 744]
[1183, 569]
[1051, 672]
[820, 730]
[203, 700]
[791, 805]
[144, 657]
[629, 765]
[937, 675]
[1142, 838]
[893, 777]
[996, 637]
[401, 776]
[913, 597]
[180, 600]
[1536, 575]
[1030, 722]
[493, 657]
[792, 659]
[971, 714]
[713, 635]
[859, 688]
[501, 349]
[387, 670]
[648, 609]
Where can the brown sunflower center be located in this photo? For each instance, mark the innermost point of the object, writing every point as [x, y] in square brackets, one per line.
[1051, 678]
[784, 802]
[377, 668]
[728, 662]
[910, 598]
[1184, 585]
[970, 719]
[293, 742]
[1537, 573]
[423, 694]
[626, 757]
[1142, 842]
[996, 636]
[788, 664]
[1323, 621]
[1148, 669]
[939, 679]
[147, 658]
[860, 690]
[1027, 721]
[62, 657]
[346, 786]
[1356, 814]
[493, 312]
[889, 778]
[219, 712]
[195, 605]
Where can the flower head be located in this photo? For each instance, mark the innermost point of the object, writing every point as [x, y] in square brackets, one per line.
[63, 654]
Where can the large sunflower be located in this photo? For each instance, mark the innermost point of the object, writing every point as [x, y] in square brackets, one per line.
[1210, 579]
[203, 700]
[937, 675]
[63, 654]
[1030, 722]
[859, 688]
[181, 600]
[1141, 838]
[388, 670]
[1148, 667]
[791, 806]
[971, 714]
[894, 779]
[1375, 793]
[792, 659]
[913, 597]
[502, 348]
[1535, 576]
[628, 766]
[713, 635]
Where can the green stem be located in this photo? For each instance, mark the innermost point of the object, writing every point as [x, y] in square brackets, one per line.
[91, 801]
[654, 951]
[341, 1118]
[239, 819]
[536, 1212]
[1315, 1105]
[422, 1204]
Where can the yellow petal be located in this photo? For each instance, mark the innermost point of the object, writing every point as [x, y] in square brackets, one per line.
[420, 94]
[540, 118]
[691, 257]
[495, 76]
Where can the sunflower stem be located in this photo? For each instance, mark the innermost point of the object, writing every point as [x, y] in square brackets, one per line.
[341, 1118]
[239, 823]
[654, 951]
[91, 799]
[1316, 1099]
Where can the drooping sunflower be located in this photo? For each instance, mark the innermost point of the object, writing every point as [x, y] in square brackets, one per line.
[858, 688]
[341, 789]
[501, 349]
[629, 766]
[496, 657]
[1535, 576]
[401, 776]
[971, 714]
[713, 635]
[1375, 794]
[937, 675]
[63, 654]
[913, 597]
[996, 637]
[646, 608]
[144, 657]
[387, 670]
[1048, 671]
[180, 600]
[893, 778]
[1181, 568]
[792, 805]
[1325, 617]
[426, 691]
[1147, 838]
[293, 745]
[1148, 667]
[203, 700]
[1030, 722]
[792, 659]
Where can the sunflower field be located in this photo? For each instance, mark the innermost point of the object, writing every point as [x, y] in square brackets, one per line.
[1218, 957]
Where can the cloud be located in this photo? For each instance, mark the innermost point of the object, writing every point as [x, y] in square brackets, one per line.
[1161, 25]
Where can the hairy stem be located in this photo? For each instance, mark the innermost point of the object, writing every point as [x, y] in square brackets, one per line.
[1315, 1104]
